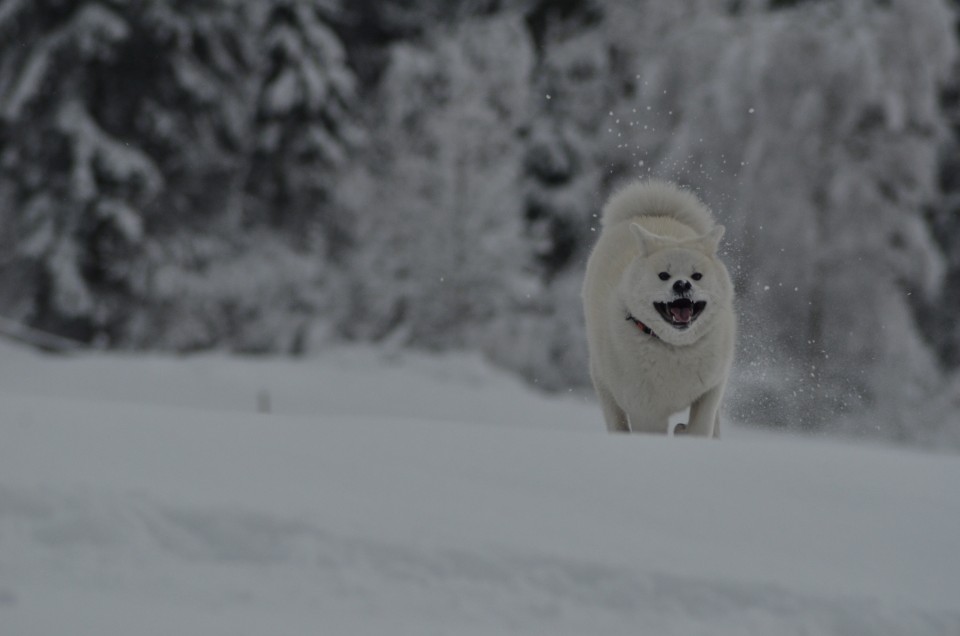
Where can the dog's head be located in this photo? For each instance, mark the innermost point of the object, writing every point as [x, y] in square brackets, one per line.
[676, 287]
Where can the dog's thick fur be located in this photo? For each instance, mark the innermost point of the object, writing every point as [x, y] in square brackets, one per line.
[659, 311]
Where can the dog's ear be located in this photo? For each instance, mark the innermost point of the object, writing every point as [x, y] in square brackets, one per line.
[648, 241]
[712, 240]
[708, 243]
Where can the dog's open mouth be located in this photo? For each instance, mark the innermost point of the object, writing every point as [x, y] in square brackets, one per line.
[680, 313]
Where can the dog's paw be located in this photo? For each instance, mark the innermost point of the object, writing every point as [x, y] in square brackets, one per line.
[680, 429]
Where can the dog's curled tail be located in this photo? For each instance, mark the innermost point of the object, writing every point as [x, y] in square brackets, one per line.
[653, 197]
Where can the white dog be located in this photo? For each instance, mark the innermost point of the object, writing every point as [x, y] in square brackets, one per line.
[659, 311]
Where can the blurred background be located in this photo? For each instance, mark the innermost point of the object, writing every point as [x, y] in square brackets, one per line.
[284, 175]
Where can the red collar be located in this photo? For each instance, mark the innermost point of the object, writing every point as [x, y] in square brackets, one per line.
[642, 327]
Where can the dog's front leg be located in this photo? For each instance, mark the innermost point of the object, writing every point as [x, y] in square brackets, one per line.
[705, 413]
[615, 417]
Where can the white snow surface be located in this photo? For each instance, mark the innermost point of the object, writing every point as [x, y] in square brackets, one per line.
[416, 495]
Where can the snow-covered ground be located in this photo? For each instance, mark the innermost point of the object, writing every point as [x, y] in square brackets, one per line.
[416, 495]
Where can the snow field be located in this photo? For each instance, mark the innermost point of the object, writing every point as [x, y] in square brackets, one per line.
[180, 510]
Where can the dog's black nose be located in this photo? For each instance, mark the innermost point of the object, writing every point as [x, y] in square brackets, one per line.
[681, 286]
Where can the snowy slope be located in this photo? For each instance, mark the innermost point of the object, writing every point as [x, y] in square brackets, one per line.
[167, 514]
[355, 382]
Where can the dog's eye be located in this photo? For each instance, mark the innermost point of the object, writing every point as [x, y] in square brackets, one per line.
[664, 276]
[697, 276]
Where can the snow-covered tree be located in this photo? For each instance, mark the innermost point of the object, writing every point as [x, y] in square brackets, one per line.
[303, 122]
[565, 169]
[74, 189]
[145, 138]
[938, 314]
[438, 206]
[262, 274]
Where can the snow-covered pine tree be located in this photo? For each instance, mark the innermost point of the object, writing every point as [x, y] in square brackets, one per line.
[73, 189]
[938, 314]
[305, 125]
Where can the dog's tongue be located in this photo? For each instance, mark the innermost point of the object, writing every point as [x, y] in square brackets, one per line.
[681, 313]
